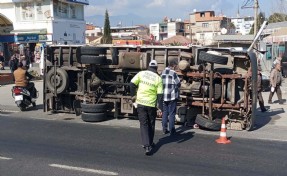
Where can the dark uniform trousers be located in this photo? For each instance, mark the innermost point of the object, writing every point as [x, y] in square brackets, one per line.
[278, 92]
[260, 100]
[147, 117]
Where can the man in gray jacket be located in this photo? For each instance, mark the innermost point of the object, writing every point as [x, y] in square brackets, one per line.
[275, 82]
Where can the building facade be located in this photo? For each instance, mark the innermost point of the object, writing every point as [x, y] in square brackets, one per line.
[42, 21]
[166, 29]
[243, 25]
[204, 26]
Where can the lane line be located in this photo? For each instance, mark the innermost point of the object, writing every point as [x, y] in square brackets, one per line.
[6, 110]
[5, 158]
[101, 172]
[6, 115]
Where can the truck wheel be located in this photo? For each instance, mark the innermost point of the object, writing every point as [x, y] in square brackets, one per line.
[208, 124]
[89, 50]
[87, 59]
[94, 117]
[212, 58]
[94, 108]
[249, 123]
[61, 80]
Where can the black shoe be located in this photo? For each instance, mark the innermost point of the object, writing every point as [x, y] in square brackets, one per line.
[172, 132]
[264, 110]
[281, 102]
[148, 150]
[165, 131]
[152, 145]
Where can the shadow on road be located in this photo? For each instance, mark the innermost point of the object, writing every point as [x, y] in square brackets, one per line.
[179, 137]
[267, 117]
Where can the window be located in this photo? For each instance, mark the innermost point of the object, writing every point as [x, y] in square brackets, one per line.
[202, 14]
[201, 36]
[205, 25]
[93, 34]
[65, 10]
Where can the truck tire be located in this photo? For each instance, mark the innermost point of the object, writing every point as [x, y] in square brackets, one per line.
[212, 58]
[208, 124]
[90, 50]
[61, 77]
[94, 117]
[94, 108]
[87, 59]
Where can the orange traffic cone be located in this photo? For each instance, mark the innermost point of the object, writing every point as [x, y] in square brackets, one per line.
[222, 138]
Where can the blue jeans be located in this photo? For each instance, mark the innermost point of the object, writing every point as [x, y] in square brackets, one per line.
[168, 115]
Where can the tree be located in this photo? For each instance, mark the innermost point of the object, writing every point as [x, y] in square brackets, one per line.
[260, 19]
[107, 38]
[277, 17]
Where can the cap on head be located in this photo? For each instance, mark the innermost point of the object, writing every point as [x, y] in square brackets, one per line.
[153, 63]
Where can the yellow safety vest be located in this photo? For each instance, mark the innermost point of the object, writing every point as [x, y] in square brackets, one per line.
[149, 85]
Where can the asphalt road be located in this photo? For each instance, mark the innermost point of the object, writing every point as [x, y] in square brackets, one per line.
[36, 147]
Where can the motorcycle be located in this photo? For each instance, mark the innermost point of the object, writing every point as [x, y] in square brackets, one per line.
[23, 98]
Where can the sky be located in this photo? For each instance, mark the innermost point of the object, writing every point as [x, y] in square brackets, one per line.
[179, 8]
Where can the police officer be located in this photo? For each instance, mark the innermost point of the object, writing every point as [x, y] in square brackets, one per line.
[149, 90]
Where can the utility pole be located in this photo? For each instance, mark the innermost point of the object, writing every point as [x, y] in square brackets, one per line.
[256, 6]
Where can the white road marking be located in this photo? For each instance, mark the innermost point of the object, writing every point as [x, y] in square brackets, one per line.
[4, 158]
[6, 115]
[9, 111]
[84, 169]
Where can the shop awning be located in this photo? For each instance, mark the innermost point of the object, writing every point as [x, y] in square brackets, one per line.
[29, 31]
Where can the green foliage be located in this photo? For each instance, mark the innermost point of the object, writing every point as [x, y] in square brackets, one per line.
[107, 38]
[277, 17]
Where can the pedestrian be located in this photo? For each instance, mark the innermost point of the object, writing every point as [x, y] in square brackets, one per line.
[259, 87]
[277, 60]
[2, 61]
[13, 63]
[149, 92]
[275, 83]
[171, 85]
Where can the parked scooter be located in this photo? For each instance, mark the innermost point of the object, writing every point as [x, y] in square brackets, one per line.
[23, 97]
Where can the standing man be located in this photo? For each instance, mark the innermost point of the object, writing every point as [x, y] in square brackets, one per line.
[2, 60]
[259, 87]
[171, 85]
[149, 90]
[275, 82]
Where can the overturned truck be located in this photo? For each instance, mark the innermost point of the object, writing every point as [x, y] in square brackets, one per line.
[93, 81]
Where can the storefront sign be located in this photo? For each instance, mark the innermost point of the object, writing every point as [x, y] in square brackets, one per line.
[6, 38]
[86, 2]
[33, 38]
